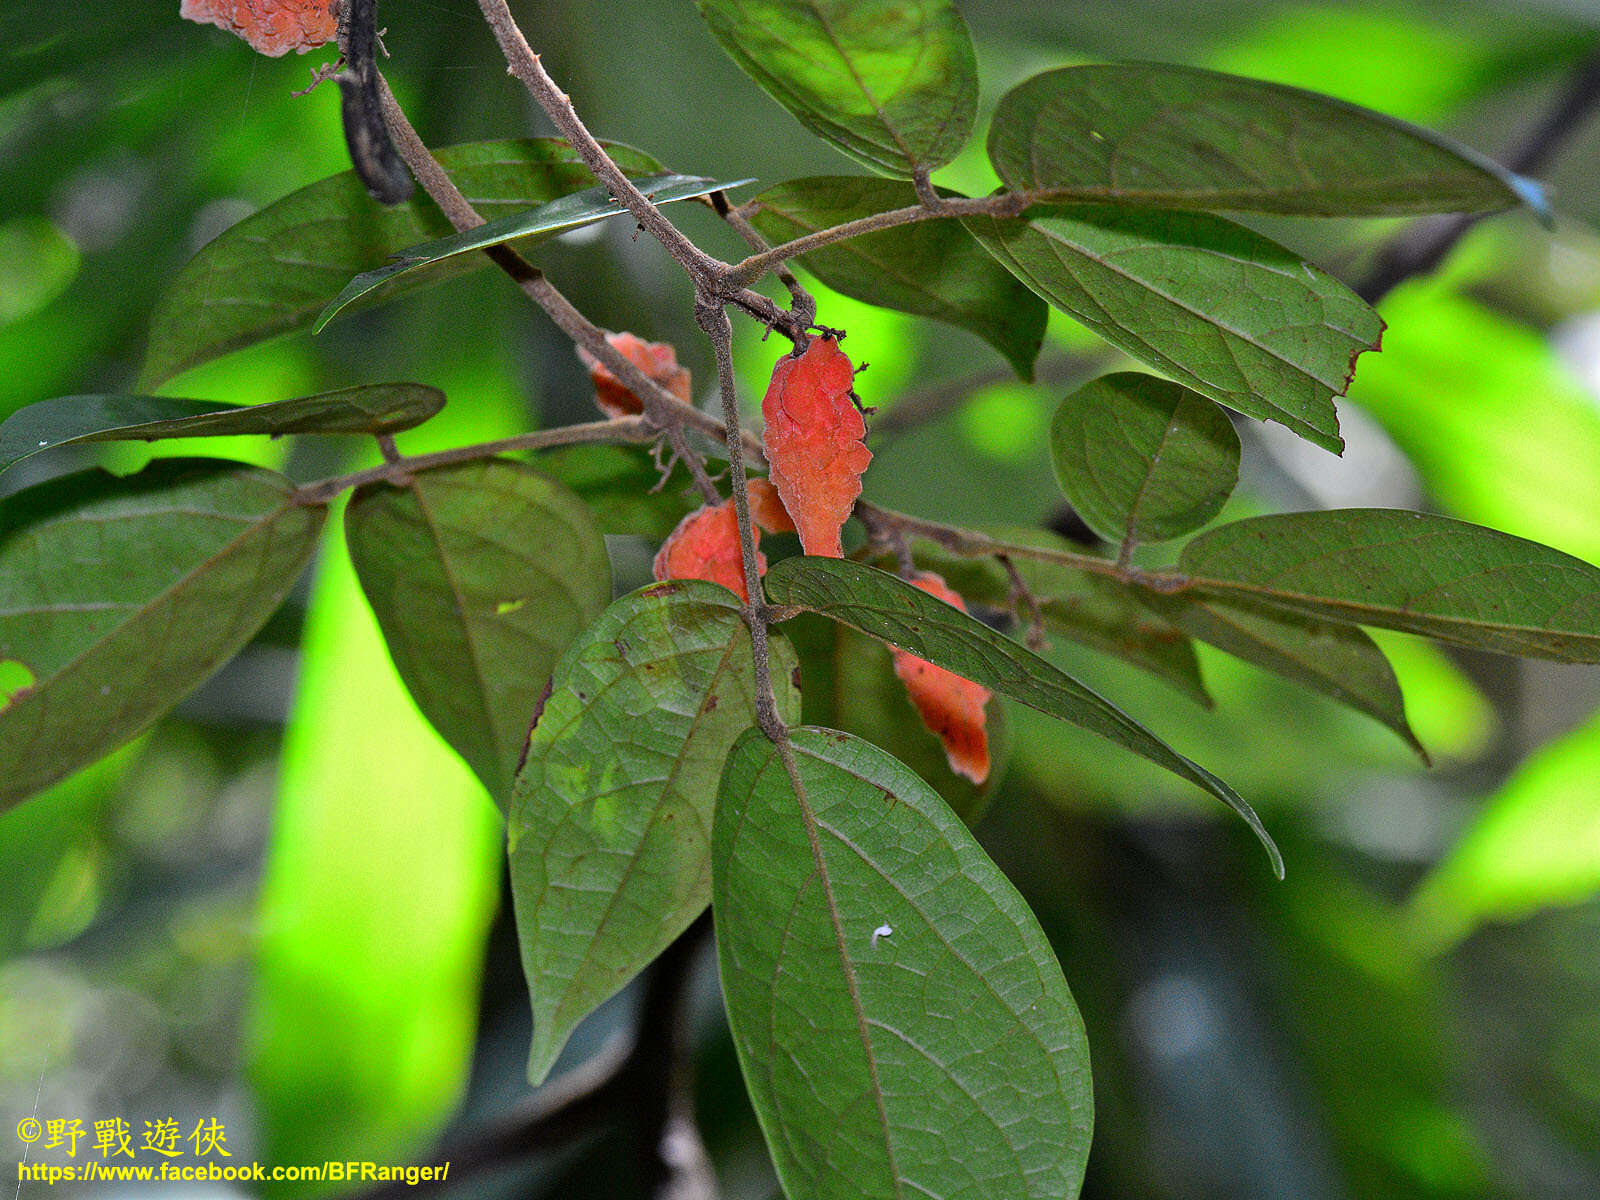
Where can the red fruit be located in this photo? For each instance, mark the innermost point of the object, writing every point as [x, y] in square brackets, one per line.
[656, 359]
[814, 442]
[949, 705]
[272, 27]
[766, 509]
[705, 545]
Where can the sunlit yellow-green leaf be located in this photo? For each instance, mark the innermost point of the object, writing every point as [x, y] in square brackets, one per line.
[1535, 844]
[380, 879]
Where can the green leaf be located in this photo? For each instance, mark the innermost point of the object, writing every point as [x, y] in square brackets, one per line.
[1088, 609]
[886, 985]
[275, 270]
[928, 269]
[1216, 306]
[851, 686]
[1410, 571]
[892, 83]
[1340, 661]
[480, 575]
[118, 597]
[1143, 459]
[526, 228]
[892, 610]
[373, 408]
[1180, 137]
[610, 828]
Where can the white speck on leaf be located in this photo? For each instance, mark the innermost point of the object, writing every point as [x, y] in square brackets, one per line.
[882, 931]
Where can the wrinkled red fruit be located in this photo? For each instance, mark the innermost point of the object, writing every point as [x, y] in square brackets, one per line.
[952, 707]
[766, 508]
[272, 27]
[814, 443]
[658, 360]
[705, 545]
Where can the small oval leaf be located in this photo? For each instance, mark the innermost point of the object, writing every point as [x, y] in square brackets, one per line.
[276, 269]
[1218, 307]
[1143, 459]
[928, 269]
[526, 228]
[886, 984]
[892, 610]
[480, 576]
[119, 596]
[610, 825]
[1411, 571]
[371, 408]
[1181, 137]
[892, 83]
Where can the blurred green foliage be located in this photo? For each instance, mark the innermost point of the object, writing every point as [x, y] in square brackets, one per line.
[1410, 1014]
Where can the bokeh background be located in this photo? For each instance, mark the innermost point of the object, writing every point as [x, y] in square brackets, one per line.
[283, 907]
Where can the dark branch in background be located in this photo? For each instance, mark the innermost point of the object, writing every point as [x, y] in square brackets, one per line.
[1422, 247]
[365, 132]
[646, 1084]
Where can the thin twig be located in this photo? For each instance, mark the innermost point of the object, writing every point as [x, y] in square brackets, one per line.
[400, 468]
[709, 274]
[748, 270]
[557, 105]
[713, 318]
[660, 405]
[802, 303]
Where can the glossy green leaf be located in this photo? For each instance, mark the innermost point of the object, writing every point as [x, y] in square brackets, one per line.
[1216, 306]
[480, 575]
[373, 408]
[850, 685]
[1340, 661]
[1534, 845]
[275, 270]
[928, 269]
[892, 83]
[1411, 571]
[610, 826]
[1088, 609]
[888, 608]
[525, 228]
[1143, 459]
[902, 1024]
[118, 597]
[1180, 137]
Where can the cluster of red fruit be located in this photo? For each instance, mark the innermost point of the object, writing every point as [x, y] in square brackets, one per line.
[816, 454]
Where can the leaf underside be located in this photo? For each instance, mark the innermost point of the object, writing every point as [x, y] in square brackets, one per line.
[480, 576]
[610, 823]
[370, 408]
[1410, 571]
[890, 609]
[119, 596]
[891, 83]
[1216, 306]
[1171, 136]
